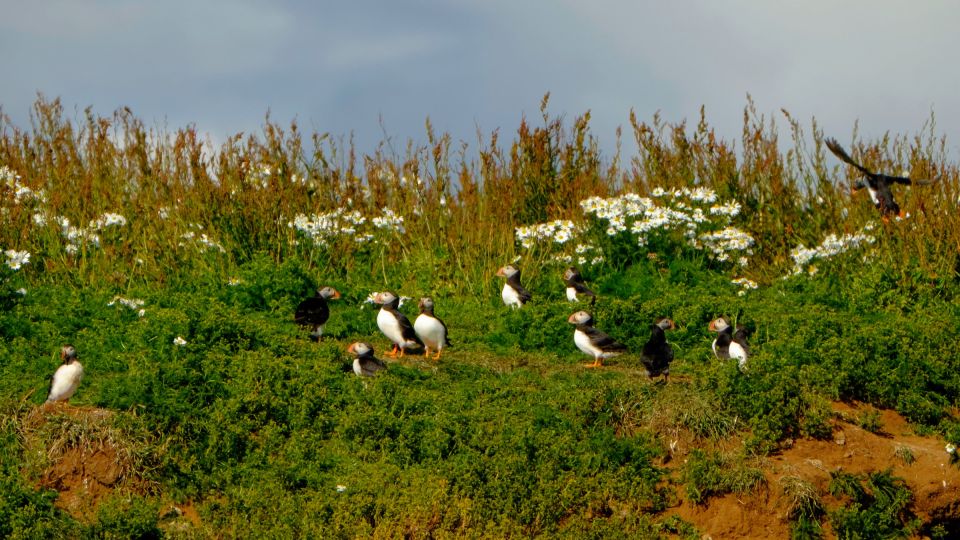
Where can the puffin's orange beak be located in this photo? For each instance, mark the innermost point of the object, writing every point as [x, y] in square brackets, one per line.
[336, 294]
[713, 325]
[501, 273]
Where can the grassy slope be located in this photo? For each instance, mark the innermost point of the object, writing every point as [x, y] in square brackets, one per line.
[508, 434]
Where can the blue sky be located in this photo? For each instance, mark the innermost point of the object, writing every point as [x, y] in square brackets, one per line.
[372, 66]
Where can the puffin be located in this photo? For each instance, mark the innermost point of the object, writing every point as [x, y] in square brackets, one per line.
[878, 185]
[431, 330]
[394, 324]
[67, 377]
[725, 346]
[513, 293]
[314, 312]
[576, 285]
[657, 353]
[365, 364]
[592, 341]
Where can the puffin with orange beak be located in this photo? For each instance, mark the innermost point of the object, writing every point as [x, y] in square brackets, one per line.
[513, 293]
[878, 185]
[365, 364]
[430, 329]
[592, 341]
[314, 311]
[66, 379]
[657, 353]
[725, 346]
[395, 325]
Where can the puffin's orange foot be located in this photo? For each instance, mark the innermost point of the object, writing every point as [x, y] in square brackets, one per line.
[593, 365]
[426, 352]
[393, 353]
[437, 357]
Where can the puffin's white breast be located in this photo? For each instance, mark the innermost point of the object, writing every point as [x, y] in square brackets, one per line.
[571, 294]
[390, 326]
[737, 351]
[65, 381]
[583, 343]
[510, 296]
[430, 331]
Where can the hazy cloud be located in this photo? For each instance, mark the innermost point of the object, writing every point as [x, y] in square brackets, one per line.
[342, 67]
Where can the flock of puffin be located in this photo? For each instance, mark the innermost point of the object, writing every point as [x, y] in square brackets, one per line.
[430, 332]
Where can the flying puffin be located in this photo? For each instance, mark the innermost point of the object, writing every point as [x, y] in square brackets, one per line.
[67, 377]
[431, 330]
[513, 293]
[725, 346]
[394, 324]
[365, 364]
[314, 311]
[657, 353]
[576, 285]
[592, 341]
[878, 185]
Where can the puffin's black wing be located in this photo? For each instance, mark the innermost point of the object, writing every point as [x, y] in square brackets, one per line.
[603, 341]
[903, 180]
[406, 329]
[524, 294]
[313, 310]
[446, 332]
[838, 151]
[882, 178]
[582, 289]
[657, 353]
[740, 337]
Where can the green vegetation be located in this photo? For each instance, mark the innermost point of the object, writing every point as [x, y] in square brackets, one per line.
[174, 270]
[878, 506]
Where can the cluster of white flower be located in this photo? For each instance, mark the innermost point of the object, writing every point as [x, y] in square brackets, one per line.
[75, 236]
[21, 193]
[135, 304]
[390, 221]
[678, 209]
[322, 228]
[202, 240]
[559, 231]
[108, 219]
[16, 259]
[745, 284]
[831, 246]
[731, 209]
[726, 241]
[179, 341]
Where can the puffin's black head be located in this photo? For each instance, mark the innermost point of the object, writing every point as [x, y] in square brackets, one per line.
[507, 271]
[426, 305]
[718, 325]
[571, 273]
[360, 349]
[328, 293]
[580, 317]
[665, 324]
[68, 354]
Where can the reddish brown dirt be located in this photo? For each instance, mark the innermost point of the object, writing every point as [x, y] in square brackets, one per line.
[87, 474]
[83, 478]
[934, 482]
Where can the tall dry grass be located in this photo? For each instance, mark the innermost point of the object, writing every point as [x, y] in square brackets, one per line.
[460, 203]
